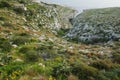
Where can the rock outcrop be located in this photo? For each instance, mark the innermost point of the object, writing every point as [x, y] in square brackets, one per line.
[51, 16]
[96, 25]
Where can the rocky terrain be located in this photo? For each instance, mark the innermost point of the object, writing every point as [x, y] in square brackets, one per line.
[41, 41]
[96, 25]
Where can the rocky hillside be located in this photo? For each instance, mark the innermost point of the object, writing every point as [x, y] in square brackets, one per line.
[41, 14]
[96, 25]
[32, 46]
[50, 15]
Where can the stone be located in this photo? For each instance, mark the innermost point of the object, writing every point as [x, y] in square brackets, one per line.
[92, 26]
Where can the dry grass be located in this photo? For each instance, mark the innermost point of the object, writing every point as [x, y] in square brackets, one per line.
[72, 77]
[25, 77]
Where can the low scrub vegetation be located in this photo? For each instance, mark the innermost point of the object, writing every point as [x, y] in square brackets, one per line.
[32, 49]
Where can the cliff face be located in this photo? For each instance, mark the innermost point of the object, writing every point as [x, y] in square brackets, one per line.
[96, 25]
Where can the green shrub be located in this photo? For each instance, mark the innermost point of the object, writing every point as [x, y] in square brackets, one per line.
[7, 24]
[103, 64]
[5, 58]
[113, 74]
[2, 18]
[62, 32]
[31, 56]
[116, 57]
[11, 71]
[4, 4]
[19, 40]
[24, 49]
[5, 46]
[24, 1]
[18, 10]
[2, 40]
[38, 69]
[61, 71]
[81, 70]
[42, 69]
[24, 34]
[85, 72]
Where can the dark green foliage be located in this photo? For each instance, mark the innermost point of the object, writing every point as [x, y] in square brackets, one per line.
[12, 67]
[114, 74]
[5, 45]
[2, 18]
[24, 49]
[18, 10]
[61, 71]
[103, 64]
[12, 70]
[81, 70]
[4, 4]
[24, 34]
[31, 56]
[5, 58]
[24, 1]
[62, 32]
[19, 40]
[85, 72]
[71, 20]
[1, 40]
[7, 24]
[116, 57]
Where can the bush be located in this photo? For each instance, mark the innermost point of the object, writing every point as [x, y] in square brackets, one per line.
[5, 58]
[6, 46]
[24, 49]
[62, 32]
[41, 69]
[4, 4]
[103, 64]
[24, 1]
[6, 24]
[85, 72]
[31, 56]
[19, 40]
[61, 71]
[19, 10]
[81, 70]
[116, 57]
[2, 18]
[113, 74]
[12, 71]
[2, 40]
[24, 34]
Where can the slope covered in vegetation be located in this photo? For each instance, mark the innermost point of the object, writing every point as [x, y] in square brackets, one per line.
[31, 46]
